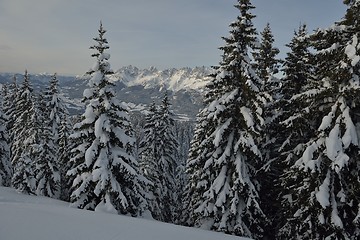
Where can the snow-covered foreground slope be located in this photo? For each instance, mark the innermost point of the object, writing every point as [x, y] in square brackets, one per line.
[25, 217]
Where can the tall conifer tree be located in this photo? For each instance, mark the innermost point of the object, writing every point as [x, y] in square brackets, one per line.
[158, 153]
[57, 123]
[47, 170]
[267, 65]
[10, 107]
[6, 170]
[105, 173]
[22, 148]
[292, 124]
[148, 156]
[223, 191]
[323, 201]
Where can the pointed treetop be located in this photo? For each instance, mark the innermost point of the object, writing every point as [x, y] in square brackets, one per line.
[244, 21]
[102, 43]
[26, 83]
[102, 66]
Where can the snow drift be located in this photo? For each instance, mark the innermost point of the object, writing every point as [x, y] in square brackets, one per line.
[40, 218]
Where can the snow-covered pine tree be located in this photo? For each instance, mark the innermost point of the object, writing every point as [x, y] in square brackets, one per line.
[6, 170]
[23, 178]
[64, 155]
[294, 123]
[148, 157]
[158, 152]
[9, 107]
[106, 174]
[323, 200]
[46, 170]
[266, 66]
[198, 153]
[147, 144]
[291, 125]
[222, 193]
[57, 122]
[184, 131]
[167, 163]
[56, 108]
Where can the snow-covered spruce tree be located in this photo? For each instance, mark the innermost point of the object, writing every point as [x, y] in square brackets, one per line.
[158, 152]
[23, 139]
[64, 155]
[9, 107]
[46, 170]
[184, 131]
[5, 163]
[167, 163]
[323, 201]
[294, 122]
[57, 122]
[56, 108]
[266, 66]
[147, 143]
[292, 125]
[222, 192]
[148, 156]
[106, 175]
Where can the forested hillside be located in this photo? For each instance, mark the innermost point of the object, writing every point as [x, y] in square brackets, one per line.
[273, 152]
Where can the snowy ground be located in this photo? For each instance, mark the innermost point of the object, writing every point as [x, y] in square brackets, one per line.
[24, 217]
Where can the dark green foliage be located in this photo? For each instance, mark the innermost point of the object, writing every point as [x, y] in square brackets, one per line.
[266, 63]
[158, 152]
[321, 200]
[222, 192]
[266, 66]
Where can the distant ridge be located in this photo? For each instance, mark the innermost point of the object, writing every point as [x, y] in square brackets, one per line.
[136, 87]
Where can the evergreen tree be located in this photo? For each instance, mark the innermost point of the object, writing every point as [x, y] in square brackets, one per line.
[45, 155]
[9, 107]
[222, 193]
[167, 163]
[64, 155]
[149, 155]
[184, 132]
[158, 153]
[5, 163]
[57, 123]
[291, 123]
[323, 199]
[24, 177]
[105, 172]
[266, 64]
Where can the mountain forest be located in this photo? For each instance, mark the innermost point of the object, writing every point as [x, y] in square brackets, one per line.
[274, 151]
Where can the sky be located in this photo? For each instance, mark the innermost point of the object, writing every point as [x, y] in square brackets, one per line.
[55, 35]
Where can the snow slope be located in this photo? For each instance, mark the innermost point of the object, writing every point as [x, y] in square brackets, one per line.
[24, 217]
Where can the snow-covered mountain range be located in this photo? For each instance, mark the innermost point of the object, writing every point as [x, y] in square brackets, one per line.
[137, 87]
[171, 79]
